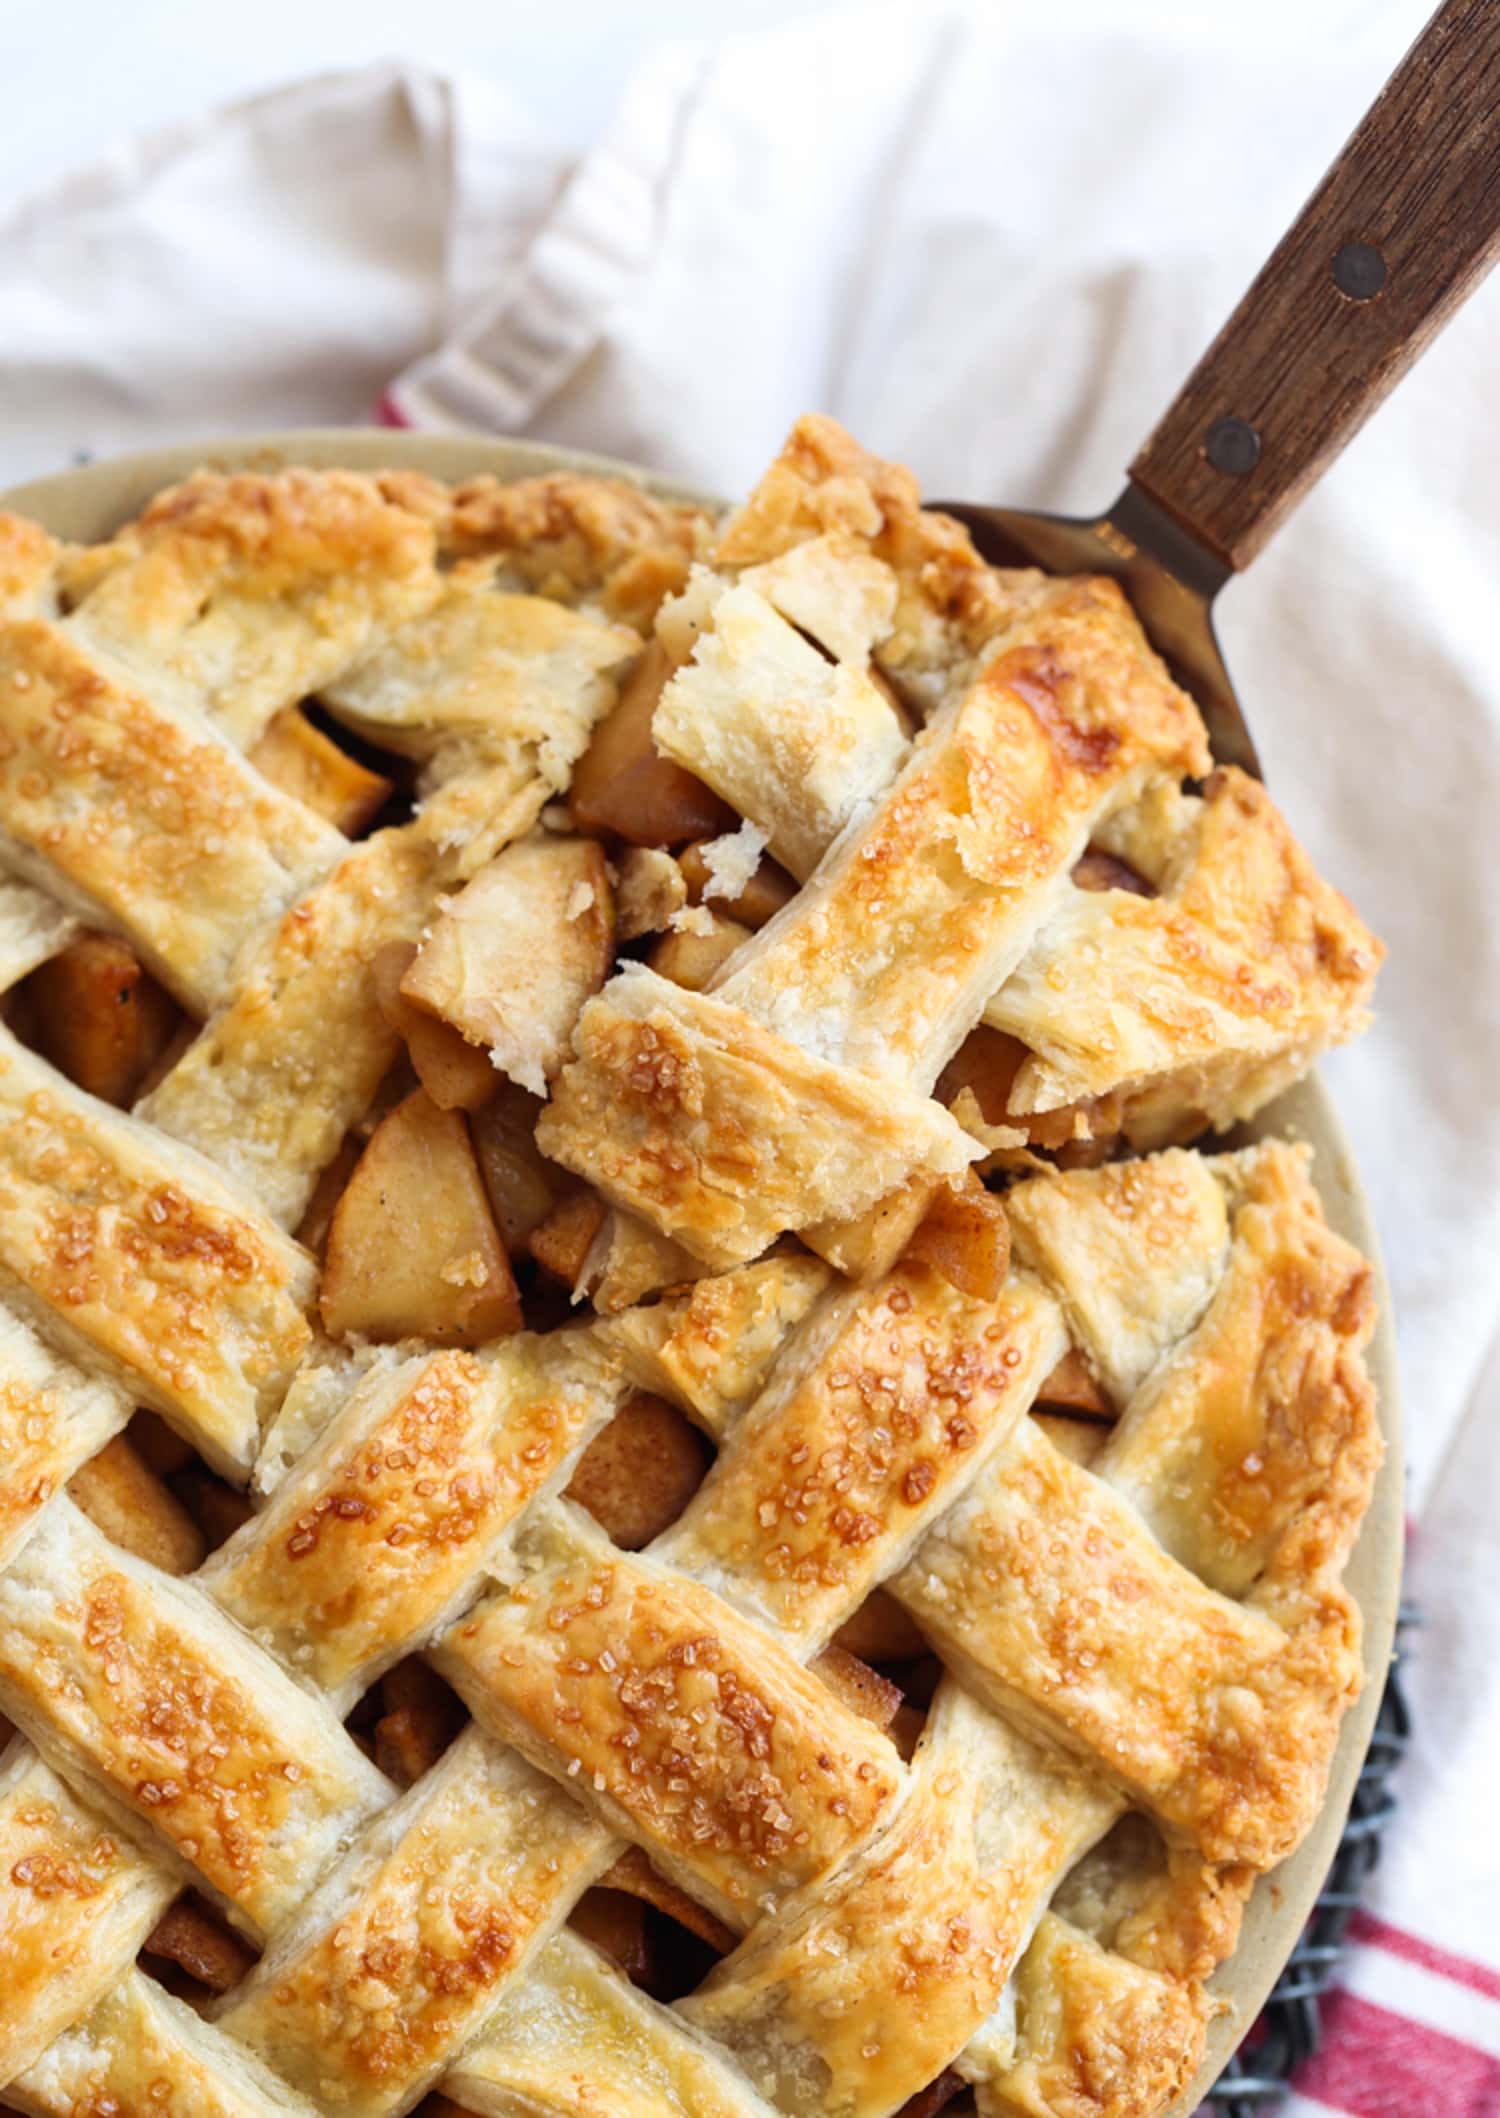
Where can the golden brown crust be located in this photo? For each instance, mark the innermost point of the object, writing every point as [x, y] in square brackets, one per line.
[789, 739]
[950, 603]
[1134, 1252]
[511, 960]
[384, 1977]
[135, 1257]
[866, 1989]
[1045, 1589]
[138, 813]
[77, 1898]
[386, 1523]
[138, 1685]
[249, 592]
[496, 695]
[1253, 1454]
[674, 1718]
[577, 2039]
[1099, 2037]
[711, 1347]
[1199, 1003]
[684, 1109]
[900, 1394]
[296, 1053]
[53, 1417]
[1159, 1904]
[28, 561]
[885, 960]
[577, 539]
[142, 2051]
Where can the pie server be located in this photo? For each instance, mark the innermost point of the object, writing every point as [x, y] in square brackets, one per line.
[1401, 229]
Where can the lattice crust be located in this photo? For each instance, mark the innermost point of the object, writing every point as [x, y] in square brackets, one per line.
[801, 1516]
[299, 1048]
[497, 695]
[1212, 996]
[77, 1898]
[245, 592]
[575, 2039]
[685, 1109]
[598, 544]
[982, 1906]
[53, 1417]
[28, 568]
[141, 817]
[949, 604]
[383, 1977]
[650, 1700]
[33, 927]
[1165, 1014]
[156, 1701]
[787, 737]
[860, 1993]
[711, 1348]
[141, 1262]
[141, 2051]
[678, 1721]
[726, 1119]
[382, 1526]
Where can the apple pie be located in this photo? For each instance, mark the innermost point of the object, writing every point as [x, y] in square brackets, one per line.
[650, 1461]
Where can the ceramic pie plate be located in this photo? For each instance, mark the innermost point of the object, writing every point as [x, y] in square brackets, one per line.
[88, 503]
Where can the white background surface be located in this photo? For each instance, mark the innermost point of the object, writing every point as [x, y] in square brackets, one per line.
[82, 74]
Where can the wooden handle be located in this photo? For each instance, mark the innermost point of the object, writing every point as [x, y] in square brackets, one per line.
[1399, 232]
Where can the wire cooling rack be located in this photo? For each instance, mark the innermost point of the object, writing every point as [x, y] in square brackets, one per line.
[1290, 2025]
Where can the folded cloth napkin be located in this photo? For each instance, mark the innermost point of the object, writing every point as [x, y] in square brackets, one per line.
[993, 248]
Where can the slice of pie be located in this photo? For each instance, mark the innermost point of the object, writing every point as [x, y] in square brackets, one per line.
[640, 1468]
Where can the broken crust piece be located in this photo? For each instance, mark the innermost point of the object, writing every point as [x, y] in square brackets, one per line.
[512, 959]
[497, 695]
[711, 1347]
[650, 889]
[917, 912]
[949, 605]
[1200, 1004]
[793, 742]
[723, 1135]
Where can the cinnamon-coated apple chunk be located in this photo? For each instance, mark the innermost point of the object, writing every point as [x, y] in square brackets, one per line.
[965, 1236]
[867, 1247]
[986, 1063]
[562, 1242]
[1073, 1383]
[623, 784]
[303, 762]
[455, 1073]
[638, 1474]
[191, 1935]
[863, 1690]
[99, 1016]
[413, 1249]
[523, 1185]
[512, 959]
[691, 958]
[121, 1495]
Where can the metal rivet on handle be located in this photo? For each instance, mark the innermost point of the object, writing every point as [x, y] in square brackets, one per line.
[1233, 446]
[1359, 271]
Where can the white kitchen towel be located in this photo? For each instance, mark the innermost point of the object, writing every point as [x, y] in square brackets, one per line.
[992, 247]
